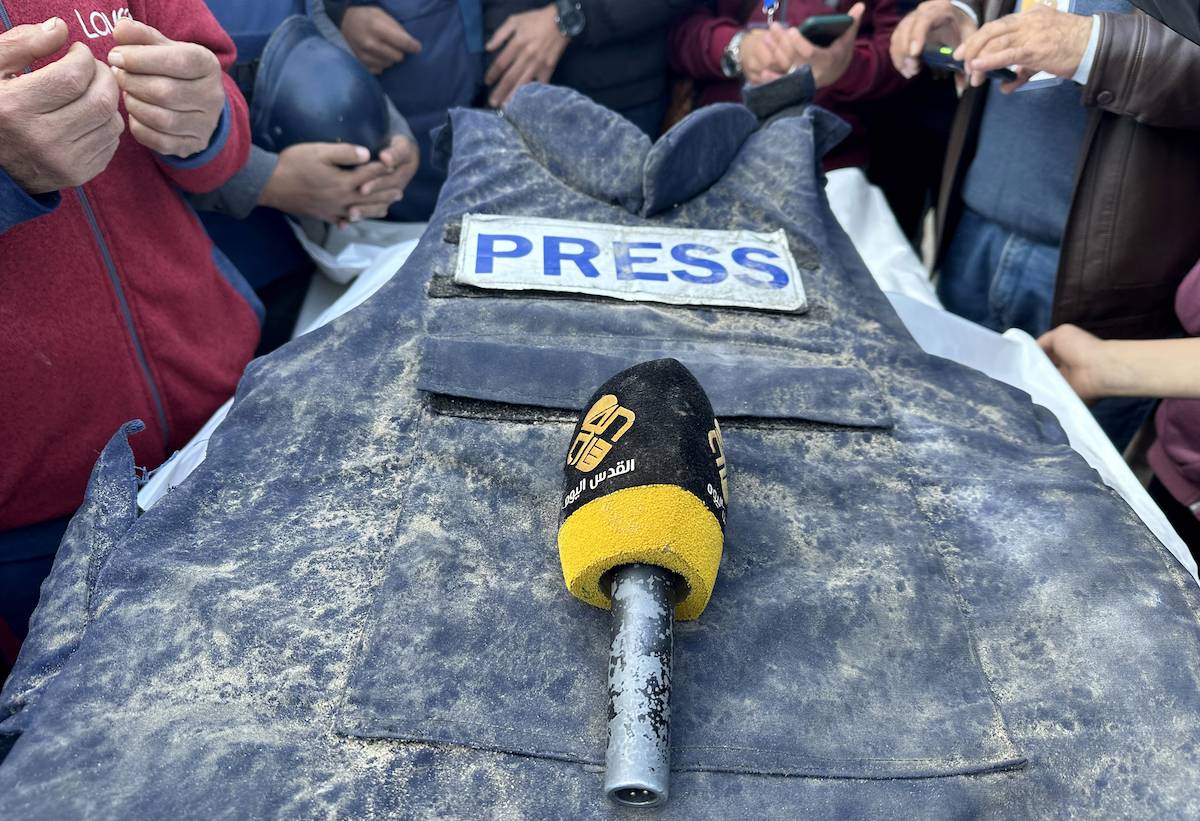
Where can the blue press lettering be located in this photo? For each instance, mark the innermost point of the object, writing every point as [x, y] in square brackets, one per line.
[745, 258]
[554, 255]
[684, 253]
[625, 261]
[486, 252]
[646, 263]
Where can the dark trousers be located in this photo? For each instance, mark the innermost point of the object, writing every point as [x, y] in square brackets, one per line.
[26, 556]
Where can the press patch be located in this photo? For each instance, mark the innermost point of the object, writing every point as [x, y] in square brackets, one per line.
[639, 263]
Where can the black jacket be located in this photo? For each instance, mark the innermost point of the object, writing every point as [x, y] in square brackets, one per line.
[620, 59]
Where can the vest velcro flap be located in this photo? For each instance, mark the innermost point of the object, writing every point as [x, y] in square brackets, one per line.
[744, 382]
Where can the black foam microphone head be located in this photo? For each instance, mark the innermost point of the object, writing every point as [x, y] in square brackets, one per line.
[645, 482]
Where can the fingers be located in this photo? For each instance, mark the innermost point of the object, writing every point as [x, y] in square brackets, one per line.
[993, 60]
[1047, 342]
[512, 80]
[401, 151]
[164, 92]
[383, 197]
[912, 36]
[788, 47]
[357, 177]
[392, 34]
[503, 62]
[923, 21]
[343, 155]
[360, 212]
[1023, 75]
[379, 57]
[98, 145]
[21, 46]
[93, 109]
[166, 120]
[851, 34]
[179, 61]
[130, 33]
[899, 45]
[61, 83]
[506, 30]
[986, 55]
[164, 144]
[970, 48]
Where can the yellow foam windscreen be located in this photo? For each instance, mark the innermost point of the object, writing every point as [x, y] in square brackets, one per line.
[663, 525]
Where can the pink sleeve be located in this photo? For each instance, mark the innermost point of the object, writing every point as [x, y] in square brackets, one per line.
[1187, 302]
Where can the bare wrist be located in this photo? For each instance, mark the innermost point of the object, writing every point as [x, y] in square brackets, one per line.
[1117, 369]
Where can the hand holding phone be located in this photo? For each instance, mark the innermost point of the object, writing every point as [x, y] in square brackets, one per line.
[822, 29]
[943, 57]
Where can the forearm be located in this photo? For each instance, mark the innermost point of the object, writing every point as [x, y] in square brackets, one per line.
[1160, 368]
[244, 192]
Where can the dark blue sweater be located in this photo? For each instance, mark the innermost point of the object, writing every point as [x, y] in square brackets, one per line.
[1023, 174]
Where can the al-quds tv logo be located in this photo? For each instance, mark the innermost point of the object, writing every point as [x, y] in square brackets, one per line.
[589, 448]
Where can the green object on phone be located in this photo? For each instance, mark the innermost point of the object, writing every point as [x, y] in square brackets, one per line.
[822, 29]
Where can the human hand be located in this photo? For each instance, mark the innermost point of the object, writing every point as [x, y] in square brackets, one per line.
[1083, 359]
[325, 181]
[766, 54]
[59, 125]
[400, 160]
[828, 64]
[377, 38]
[530, 46]
[1041, 39]
[173, 91]
[934, 22]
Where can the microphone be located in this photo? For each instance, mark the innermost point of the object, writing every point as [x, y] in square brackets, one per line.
[641, 531]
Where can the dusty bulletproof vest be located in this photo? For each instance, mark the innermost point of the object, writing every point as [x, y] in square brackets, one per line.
[928, 604]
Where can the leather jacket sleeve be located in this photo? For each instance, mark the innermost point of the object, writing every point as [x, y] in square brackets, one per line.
[1146, 71]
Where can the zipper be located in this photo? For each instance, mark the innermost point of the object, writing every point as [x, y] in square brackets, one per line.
[115, 279]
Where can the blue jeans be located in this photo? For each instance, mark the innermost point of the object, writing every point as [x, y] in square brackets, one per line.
[1003, 280]
[998, 279]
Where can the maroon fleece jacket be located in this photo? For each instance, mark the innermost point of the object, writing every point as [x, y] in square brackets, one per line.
[112, 304]
[699, 40]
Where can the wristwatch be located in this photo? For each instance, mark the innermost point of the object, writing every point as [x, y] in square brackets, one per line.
[570, 18]
[731, 60]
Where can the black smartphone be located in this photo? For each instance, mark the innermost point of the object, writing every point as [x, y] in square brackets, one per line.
[943, 57]
[822, 29]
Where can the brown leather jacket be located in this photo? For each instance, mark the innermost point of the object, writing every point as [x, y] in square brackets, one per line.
[1133, 231]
